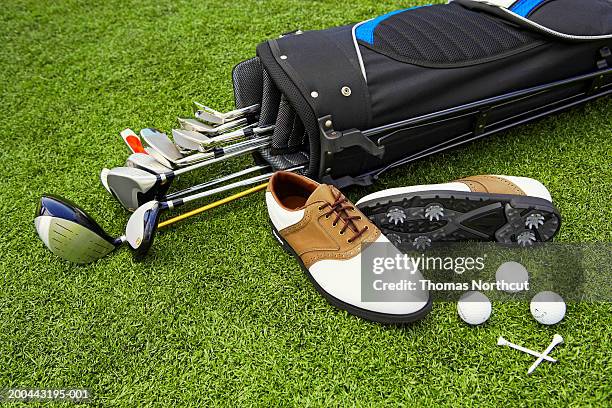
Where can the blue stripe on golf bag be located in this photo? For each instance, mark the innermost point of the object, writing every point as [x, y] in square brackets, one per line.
[365, 32]
[524, 7]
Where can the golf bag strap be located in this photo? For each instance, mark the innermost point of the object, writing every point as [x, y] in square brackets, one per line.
[526, 13]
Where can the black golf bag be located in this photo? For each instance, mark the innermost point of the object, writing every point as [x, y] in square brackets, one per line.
[353, 101]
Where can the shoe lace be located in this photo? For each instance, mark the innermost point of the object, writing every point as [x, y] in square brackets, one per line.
[340, 207]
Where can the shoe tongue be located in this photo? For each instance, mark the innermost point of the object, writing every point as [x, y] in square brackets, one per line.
[325, 193]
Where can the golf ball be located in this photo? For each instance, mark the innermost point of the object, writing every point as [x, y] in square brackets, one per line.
[547, 308]
[474, 308]
[513, 275]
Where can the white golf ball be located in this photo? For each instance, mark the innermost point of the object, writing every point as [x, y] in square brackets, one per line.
[514, 276]
[547, 308]
[474, 308]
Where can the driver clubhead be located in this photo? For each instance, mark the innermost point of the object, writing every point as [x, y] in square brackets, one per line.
[70, 233]
[133, 187]
[142, 226]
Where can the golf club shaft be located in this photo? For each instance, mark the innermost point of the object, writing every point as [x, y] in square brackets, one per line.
[212, 151]
[212, 205]
[215, 182]
[226, 154]
[248, 131]
[222, 201]
[242, 183]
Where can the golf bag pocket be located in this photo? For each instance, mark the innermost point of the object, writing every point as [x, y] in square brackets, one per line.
[357, 100]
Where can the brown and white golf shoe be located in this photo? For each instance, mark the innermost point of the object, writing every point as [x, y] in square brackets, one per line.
[504, 209]
[326, 233]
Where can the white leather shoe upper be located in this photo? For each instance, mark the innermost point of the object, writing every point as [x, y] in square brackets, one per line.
[342, 279]
[530, 186]
[281, 217]
[336, 269]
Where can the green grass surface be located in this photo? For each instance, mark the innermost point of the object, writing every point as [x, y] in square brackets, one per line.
[218, 313]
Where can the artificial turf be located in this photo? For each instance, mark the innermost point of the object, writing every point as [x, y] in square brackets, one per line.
[218, 314]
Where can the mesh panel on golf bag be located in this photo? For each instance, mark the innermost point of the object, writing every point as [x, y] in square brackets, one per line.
[248, 82]
[289, 130]
[253, 85]
[311, 152]
[270, 101]
[447, 34]
[284, 161]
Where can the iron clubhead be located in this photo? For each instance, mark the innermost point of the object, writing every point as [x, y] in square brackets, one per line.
[142, 226]
[205, 114]
[196, 126]
[133, 187]
[132, 140]
[190, 140]
[160, 159]
[161, 143]
[209, 115]
[147, 163]
[70, 233]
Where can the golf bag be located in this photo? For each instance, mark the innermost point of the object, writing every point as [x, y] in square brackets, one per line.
[352, 102]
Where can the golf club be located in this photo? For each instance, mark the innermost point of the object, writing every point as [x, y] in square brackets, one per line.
[206, 114]
[132, 140]
[165, 151]
[163, 146]
[133, 187]
[146, 162]
[194, 141]
[104, 180]
[198, 187]
[197, 126]
[73, 235]
[161, 159]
